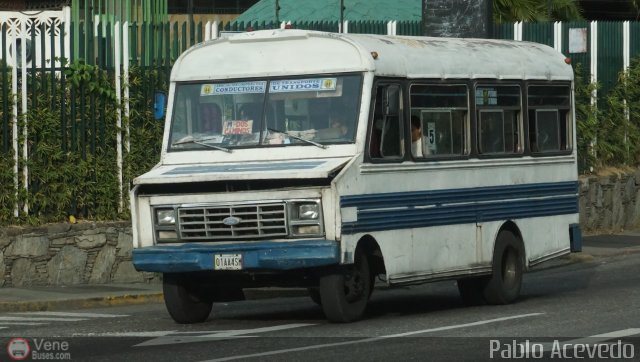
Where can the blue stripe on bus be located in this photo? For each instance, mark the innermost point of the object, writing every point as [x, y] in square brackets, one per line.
[393, 211]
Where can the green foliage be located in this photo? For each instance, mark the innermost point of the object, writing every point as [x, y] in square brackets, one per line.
[93, 78]
[609, 134]
[72, 146]
[586, 120]
[7, 189]
[143, 126]
[505, 11]
[619, 131]
[7, 163]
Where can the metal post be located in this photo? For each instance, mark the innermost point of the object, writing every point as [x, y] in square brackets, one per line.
[191, 30]
[277, 11]
[341, 15]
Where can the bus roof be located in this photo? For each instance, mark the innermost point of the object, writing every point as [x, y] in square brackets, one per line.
[297, 52]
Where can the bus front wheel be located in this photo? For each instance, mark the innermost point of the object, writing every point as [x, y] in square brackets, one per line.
[344, 295]
[503, 287]
[183, 301]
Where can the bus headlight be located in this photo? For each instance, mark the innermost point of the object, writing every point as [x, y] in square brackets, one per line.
[305, 218]
[166, 216]
[165, 224]
[308, 211]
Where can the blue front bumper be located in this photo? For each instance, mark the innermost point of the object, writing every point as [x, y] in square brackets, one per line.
[269, 255]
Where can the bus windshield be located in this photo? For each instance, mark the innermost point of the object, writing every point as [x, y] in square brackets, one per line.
[308, 110]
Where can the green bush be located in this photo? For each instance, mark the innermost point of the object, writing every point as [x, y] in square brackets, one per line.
[609, 134]
[72, 146]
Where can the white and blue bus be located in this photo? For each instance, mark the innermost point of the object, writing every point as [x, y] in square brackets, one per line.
[322, 160]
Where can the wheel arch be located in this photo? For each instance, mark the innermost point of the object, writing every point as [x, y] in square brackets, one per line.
[512, 227]
[369, 245]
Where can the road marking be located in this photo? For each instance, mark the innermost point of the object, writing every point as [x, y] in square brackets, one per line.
[375, 339]
[142, 334]
[69, 314]
[21, 323]
[216, 336]
[41, 319]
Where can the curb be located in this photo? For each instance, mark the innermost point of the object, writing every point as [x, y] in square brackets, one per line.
[92, 302]
[134, 299]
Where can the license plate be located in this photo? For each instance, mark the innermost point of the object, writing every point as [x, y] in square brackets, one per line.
[227, 261]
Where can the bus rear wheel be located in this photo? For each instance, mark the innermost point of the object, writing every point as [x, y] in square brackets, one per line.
[505, 282]
[183, 301]
[344, 295]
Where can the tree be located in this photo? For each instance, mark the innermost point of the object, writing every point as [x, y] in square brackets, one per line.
[536, 10]
[636, 7]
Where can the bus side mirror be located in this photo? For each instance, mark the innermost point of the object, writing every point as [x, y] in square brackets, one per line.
[159, 103]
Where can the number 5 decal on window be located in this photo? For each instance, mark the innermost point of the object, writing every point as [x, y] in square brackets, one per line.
[431, 137]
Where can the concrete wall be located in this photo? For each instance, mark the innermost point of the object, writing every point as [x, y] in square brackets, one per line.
[97, 253]
[610, 203]
[66, 254]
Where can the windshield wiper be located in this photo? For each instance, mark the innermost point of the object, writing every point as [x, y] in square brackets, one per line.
[200, 141]
[298, 138]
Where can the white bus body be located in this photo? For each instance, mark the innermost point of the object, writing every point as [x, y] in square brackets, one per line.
[309, 176]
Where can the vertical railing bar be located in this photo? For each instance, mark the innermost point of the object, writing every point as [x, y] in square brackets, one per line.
[118, 116]
[125, 62]
[25, 125]
[63, 106]
[14, 125]
[5, 92]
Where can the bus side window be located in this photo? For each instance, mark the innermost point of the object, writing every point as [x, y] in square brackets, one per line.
[387, 132]
[499, 120]
[442, 111]
[549, 118]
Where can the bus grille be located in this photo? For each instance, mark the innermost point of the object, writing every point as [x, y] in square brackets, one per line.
[253, 221]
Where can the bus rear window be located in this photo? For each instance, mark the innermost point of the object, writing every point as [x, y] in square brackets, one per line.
[549, 118]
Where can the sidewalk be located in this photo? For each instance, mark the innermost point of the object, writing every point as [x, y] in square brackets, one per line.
[87, 296]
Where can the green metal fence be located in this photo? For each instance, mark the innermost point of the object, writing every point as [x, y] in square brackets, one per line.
[64, 149]
[604, 56]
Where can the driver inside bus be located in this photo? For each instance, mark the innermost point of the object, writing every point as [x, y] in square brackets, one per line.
[210, 118]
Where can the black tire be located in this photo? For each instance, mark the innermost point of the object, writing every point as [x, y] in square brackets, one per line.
[344, 295]
[182, 300]
[314, 294]
[472, 290]
[508, 265]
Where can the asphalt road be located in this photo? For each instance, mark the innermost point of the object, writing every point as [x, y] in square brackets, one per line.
[560, 307]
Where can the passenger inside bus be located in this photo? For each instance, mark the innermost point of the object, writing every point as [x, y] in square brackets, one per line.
[416, 137]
